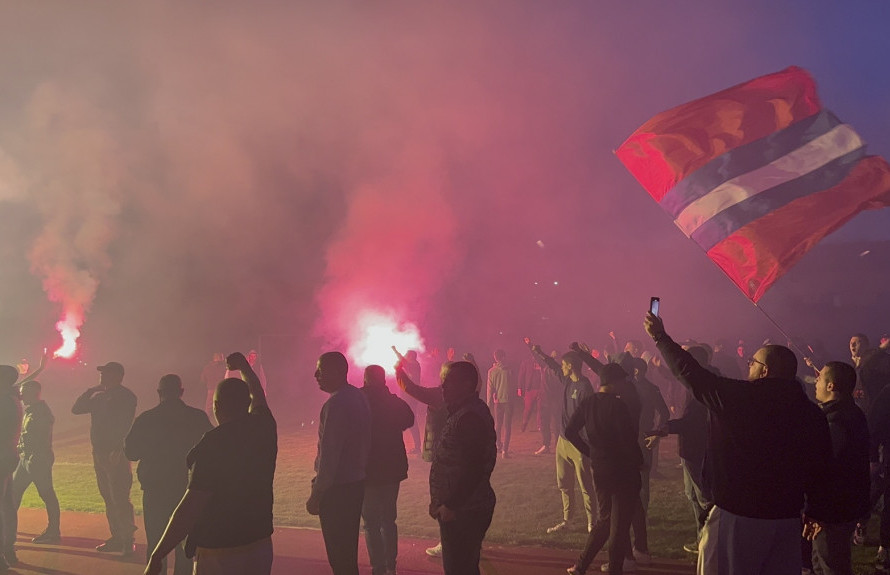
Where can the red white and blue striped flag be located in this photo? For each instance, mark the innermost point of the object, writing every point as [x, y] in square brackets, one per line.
[757, 174]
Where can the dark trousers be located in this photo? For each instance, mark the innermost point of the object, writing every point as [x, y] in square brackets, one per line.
[381, 532]
[532, 407]
[503, 422]
[37, 468]
[462, 541]
[832, 549]
[114, 478]
[616, 504]
[8, 519]
[340, 513]
[157, 507]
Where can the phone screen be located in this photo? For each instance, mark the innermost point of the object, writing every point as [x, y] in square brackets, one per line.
[653, 306]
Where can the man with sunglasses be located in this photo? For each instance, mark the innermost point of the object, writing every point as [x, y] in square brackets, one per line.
[769, 448]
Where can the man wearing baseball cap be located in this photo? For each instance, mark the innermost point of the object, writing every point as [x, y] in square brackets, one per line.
[112, 408]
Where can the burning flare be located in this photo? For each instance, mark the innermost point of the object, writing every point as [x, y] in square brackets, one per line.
[69, 329]
[375, 334]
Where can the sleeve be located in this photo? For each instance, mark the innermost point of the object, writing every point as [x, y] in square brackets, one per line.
[335, 420]
[84, 403]
[705, 385]
[472, 431]
[661, 408]
[404, 414]
[818, 489]
[206, 468]
[431, 396]
[574, 427]
[135, 441]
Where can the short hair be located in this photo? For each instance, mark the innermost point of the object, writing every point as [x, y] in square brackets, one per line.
[464, 373]
[843, 375]
[500, 354]
[375, 375]
[572, 358]
[411, 354]
[335, 362]
[780, 361]
[8, 375]
[863, 337]
[233, 395]
[170, 382]
[640, 365]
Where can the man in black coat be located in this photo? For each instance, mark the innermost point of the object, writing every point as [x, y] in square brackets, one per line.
[849, 470]
[768, 449]
[387, 468]
[160, 440]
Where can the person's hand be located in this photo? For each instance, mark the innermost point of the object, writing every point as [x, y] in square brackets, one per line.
[527, 341]
[595, 353]
[612, 334]
[237, 362]
[43, 358]
[469, 357]
[652, 441]
[810, 529]
[449, 354]
[153, 567]
[536, 348]
[312, 505]
[654, 325]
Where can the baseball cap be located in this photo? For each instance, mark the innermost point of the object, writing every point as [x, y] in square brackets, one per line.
[112, 367]
[612, 373]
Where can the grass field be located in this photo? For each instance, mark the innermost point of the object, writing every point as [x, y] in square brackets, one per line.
[528, 501]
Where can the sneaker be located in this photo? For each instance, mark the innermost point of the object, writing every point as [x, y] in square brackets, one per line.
[505, 455]
[642, 558]
[435, 551]
[881, 561]
[48, 537]
[542, 449]
[859, 534]
[128, 548]
[558, 527]
[691, 548]
[629, 566]
[573, 570]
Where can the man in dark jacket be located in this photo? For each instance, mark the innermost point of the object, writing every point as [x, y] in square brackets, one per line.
[613, 448]
[849, 470]
[36, 459]
[387, 468]
[768, 448]
[112, 408]
[461, 497]
[160, 440]
[10, 427]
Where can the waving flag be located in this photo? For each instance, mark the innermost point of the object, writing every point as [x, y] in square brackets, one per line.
[757, 174]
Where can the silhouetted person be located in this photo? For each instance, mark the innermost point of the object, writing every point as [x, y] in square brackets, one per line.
[849, 479]
[768, 451]
[111, 407]
[10, 426]
[211, 375]
[612, 445]
[159, 440]
[412, 367]
[36, 459]
[872, 366]
[461, 497]
[500, 397]
[338, 490]
[226, 511]
[387, 468]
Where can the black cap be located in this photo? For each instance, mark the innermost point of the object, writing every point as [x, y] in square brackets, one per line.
[112, 367]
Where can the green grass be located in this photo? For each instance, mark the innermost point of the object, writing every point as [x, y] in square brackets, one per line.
[528, 500]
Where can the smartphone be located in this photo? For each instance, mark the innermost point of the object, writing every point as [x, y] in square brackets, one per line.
[653, 305]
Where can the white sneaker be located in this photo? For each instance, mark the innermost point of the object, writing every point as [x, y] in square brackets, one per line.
[435, 551]
[542, 449]
[629, 566]
[558, 527]
[643, 559]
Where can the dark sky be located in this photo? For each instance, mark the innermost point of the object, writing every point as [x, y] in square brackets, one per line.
[200, 176]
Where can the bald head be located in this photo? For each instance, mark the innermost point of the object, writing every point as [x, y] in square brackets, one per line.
[773, 361]
[231, 400]
[375, 376]
[170, 387]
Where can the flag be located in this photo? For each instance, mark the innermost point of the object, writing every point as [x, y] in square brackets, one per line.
[757, 174]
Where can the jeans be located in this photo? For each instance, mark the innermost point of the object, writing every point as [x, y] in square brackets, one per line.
[832, 549]
[381, 532]
[252, 559]
[736, 545]
[462, 540]
[8, 519]
[697, 495]
[115, 478]
[340, 512]
[532, 400]
[503, 421]
[37, 468]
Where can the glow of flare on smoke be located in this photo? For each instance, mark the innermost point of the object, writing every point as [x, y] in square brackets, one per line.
[374, 336]
[69, 329]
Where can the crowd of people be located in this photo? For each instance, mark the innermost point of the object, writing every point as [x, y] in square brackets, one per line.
[782, 468]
